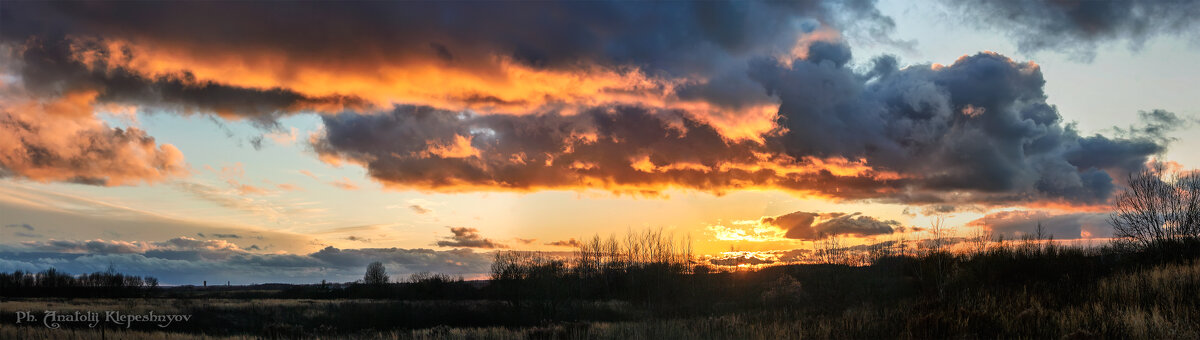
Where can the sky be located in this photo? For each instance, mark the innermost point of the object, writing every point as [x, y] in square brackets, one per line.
[256, 142]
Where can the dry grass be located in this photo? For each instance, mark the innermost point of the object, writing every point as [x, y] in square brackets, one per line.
[1154, 302]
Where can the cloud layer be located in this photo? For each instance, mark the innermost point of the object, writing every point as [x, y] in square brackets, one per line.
[59, 139]
[710, 96]
[811, 226]
[468, 238]
[805, 226]
[976, 131]
[184, 260]
[1079, 27]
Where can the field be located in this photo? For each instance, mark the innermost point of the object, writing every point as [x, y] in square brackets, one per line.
[1015, 291]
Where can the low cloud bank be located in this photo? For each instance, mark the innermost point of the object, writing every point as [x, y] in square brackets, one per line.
[184, 260]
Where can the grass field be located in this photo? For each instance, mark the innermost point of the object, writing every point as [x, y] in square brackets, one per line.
[1035, 292]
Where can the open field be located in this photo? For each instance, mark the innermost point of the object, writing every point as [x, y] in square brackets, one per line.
[1038, 292]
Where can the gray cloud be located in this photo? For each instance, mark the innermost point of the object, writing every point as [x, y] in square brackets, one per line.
[978, 131]
[572, 242]
[91, 246]
[1080, 27]
[26, 226]
[734, 261]
[856, 224]
[419, 209]
[1156, 125]
[468, 238]
[541, 34]
[1013, 224]
[709, 41]
[980, 126]
[180, 261]
[805, 226]
[621, 148]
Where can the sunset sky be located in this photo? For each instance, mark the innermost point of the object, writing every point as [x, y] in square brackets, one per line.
[258, 142]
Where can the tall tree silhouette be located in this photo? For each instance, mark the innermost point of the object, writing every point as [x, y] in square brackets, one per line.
[376, 274]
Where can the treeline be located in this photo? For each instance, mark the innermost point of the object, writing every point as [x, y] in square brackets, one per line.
[51, 282]
[653, 275]
[418, 286]
[641, 267]
[991, 270]
[635, 268]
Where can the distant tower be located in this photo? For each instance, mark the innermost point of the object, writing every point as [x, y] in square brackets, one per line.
[206, 283]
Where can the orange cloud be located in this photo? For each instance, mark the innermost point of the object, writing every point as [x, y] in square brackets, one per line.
[750, 231]
[345, 184]
[510, 85]
[460, 147]
[60, 139]
[288, 187]
[582, 101]
[495, 84]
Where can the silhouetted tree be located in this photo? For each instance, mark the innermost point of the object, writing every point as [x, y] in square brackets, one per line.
[830, 250]
[376, 274]
[1158, 206]
[937, 228]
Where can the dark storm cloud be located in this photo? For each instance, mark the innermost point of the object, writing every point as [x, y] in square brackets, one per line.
[1079, 27]
[980, 125]
[811, 226]
[549, 34]
[468, 238]
[708, 39]
[978, 131]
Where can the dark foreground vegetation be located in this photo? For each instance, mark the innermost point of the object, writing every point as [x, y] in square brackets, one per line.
[1012, 289]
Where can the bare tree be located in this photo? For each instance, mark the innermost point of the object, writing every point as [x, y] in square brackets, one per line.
[1189, 217]
[980, 240]
[830, 250]
[376, 274]
[1158, 206]
[937, 228]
